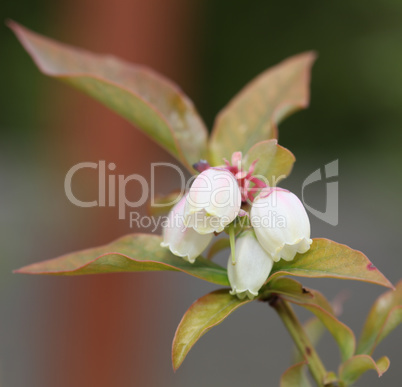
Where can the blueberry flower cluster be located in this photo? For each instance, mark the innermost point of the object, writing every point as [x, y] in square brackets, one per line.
[277, 224]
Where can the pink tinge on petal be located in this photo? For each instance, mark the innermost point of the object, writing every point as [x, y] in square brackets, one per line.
[236, 160]
[252, 192]
[240, 175]
[230, 168]
[242, 213]
[288, 236]
[227, 162]
[251, 169]
[257, 182]
[244, 178]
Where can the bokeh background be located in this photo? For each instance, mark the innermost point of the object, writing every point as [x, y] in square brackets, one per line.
[116, 330]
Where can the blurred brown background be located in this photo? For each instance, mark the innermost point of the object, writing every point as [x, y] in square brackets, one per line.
[116, 330]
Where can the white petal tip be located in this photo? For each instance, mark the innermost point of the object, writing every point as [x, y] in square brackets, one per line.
[242, 294]
[186, 257]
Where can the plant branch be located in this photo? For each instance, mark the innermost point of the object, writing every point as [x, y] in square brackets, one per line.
[300, 339]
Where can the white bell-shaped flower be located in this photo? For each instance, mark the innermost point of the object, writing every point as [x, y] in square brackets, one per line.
[213, 201]
[281, 223]
[182, 241]
[252, 266]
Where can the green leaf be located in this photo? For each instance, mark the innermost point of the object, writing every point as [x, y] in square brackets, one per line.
[136, 252]
[352, 369]
[295, 376]
[331, 260]
[331, 379]
[205, 313]
[283, 285]
[146, 99]
[384, 316]
[316, 303]
[274, 161]
[253, 114]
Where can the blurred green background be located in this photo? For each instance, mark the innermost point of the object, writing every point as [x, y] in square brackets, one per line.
[117, 330]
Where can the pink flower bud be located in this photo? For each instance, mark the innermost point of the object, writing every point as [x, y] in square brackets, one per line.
[281, 223]
[213, 201]
[182, 241]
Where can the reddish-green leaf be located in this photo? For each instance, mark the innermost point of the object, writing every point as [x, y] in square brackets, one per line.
[315, 302]
[136, 252]
[331, 379]
[295, 376]
[204, 314]
[283, 285]
[330, 259]
[384, 316]
[352, 369]
[274, 161]
[253, 114]
[148, 100]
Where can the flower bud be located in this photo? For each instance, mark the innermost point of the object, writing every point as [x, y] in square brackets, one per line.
[213, 201]
[252, 267]
[182, 241]
[281, 223]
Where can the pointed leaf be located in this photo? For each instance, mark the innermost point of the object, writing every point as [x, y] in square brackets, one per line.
[146, 99]
[330, 259]
[295, 376]
[290, 287]
[384, 316]
[274, 161]
[316, 303]
[205, 313]
[331, 379]
[136, 252]
[253, 114]
[352, 369]
[282, 285]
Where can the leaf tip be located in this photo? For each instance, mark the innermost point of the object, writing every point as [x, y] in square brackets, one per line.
[10, 23]
[14, 26]
[308, 56]
[25, 270]
[383, 365]
[175, 366]
[176, 360]
[21, 270]
[313, 54]
[387, 283]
